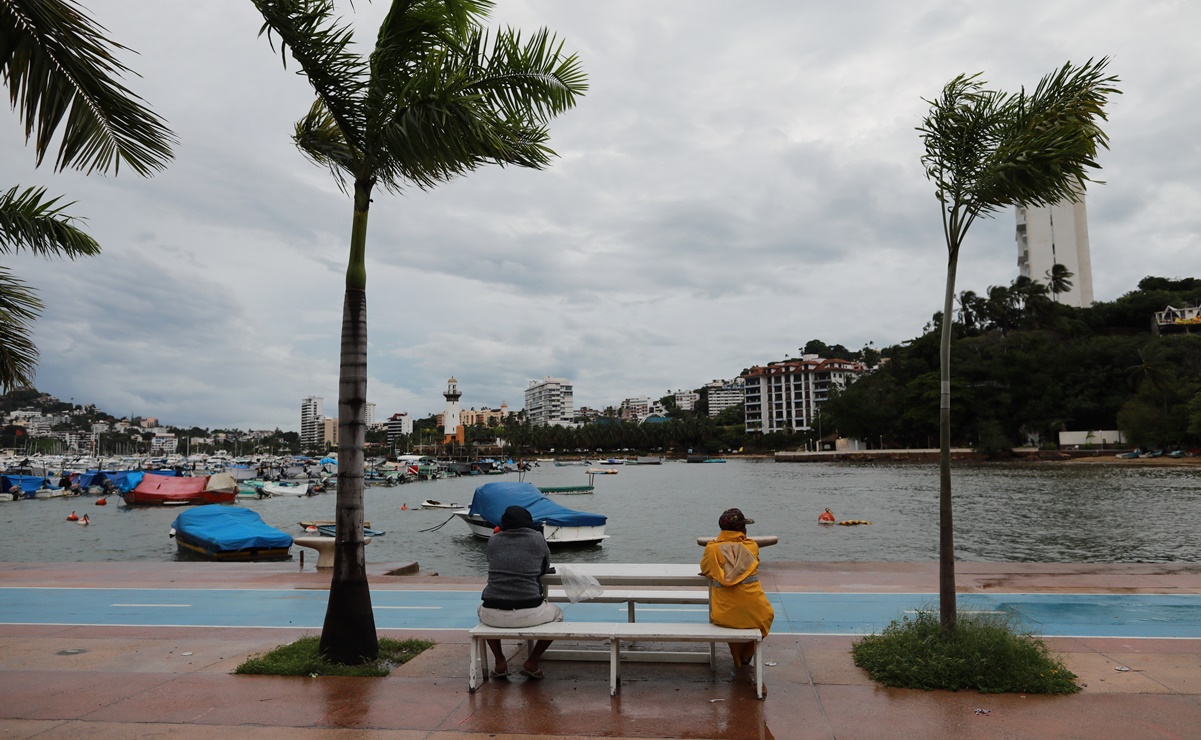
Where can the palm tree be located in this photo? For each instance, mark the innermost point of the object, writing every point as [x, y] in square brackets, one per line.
[438, 97]
[61, 75]
[1059, 280]
[986, 150]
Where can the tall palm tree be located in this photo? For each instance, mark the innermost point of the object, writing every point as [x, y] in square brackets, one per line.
[438, 97]
[62, 77]
[986, 150]
[1059, 280]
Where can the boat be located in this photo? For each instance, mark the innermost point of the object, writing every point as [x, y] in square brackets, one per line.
[600, 471]
[647, 460]
[613, 461]
[331, 530]
[565, 463]
[286, 488]
[560, 525]
[217, 532]
[168, 490]
[567, 489]
[430, 503]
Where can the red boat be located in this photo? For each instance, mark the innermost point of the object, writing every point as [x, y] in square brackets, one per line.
[165, 490]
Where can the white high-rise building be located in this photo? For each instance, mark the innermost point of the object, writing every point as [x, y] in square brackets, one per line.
[1058, 234]
[786, 396]
[725, 393]
[549, 401]
[312, 430]
[369, 414]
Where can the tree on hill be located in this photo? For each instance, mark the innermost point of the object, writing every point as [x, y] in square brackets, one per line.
[437, 98]
[62, 76]
[986, 150]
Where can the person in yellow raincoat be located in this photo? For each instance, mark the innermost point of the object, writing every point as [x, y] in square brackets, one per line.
[736, 598]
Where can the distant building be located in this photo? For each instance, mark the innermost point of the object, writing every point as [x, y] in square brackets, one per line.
[369, 414]
[329, 433]
[1058, 234]
[399, 425]
[1173, 320]
[635, 409]
[686, 400]
[549, 402]
[485, 417]
[724, 394]
[787, 395]
[311, 415]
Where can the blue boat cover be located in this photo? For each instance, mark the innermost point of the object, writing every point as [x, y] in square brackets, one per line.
[229, 528]
[127, 480]
[491, 500]
[27, 483]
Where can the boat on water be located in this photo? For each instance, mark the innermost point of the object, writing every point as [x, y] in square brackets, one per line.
[286, 488]
[560, 525]
[567, 489]
[430, 503]
[331, 530]
[647, 460]
[216, 532]
[170, 490]
[565, 463]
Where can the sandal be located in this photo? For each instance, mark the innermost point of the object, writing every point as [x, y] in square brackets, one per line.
[497, 674]
[534, 675]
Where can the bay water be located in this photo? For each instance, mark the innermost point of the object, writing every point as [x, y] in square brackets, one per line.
[1004, 512]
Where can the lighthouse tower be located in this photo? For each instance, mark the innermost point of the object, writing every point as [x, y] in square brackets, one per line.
[451, 427]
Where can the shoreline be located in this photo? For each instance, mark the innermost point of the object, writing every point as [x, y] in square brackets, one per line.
[1022, 455]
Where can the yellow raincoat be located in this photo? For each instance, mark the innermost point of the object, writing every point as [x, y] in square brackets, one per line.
[736, 598]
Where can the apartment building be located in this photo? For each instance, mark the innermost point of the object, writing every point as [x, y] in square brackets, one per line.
[312, 431]
[399, 425]
[1057, 234]
[725, 393]
[635, 409]
[787, 395]
[549, 402]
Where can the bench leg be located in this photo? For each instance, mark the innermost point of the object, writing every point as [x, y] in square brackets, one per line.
[630, 607]
[473, 670]
[759, 668]
[614, 666]
[713, 657]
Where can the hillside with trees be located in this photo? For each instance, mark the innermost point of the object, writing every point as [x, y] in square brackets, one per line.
[1027, 367]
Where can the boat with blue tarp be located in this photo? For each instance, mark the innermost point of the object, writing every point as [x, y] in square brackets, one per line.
[219, 532]
[560, 525]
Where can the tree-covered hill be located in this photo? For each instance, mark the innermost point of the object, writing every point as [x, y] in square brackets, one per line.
[1027, 367]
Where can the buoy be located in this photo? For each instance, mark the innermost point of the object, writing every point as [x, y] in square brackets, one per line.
[404, 507]
[72, 517]
[826, 517]
[853, 522]
[85, 520]
[310, 528]
[102, 501]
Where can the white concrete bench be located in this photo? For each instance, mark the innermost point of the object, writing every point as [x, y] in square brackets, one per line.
[614, 632]
[636, 596]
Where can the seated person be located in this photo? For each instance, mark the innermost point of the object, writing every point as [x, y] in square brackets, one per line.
[736, 599]
[517, 558]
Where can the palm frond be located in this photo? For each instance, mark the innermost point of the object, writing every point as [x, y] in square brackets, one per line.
[320, 138]
[320, 44]
[62, 74]
[28, 221]
[19, 307]
[536, 77]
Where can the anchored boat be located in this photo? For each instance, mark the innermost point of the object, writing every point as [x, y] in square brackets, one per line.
[560, 525]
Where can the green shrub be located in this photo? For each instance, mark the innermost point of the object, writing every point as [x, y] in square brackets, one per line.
[985, 652]
[303, 658]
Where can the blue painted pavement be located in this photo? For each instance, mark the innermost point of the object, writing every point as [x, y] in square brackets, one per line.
[1051, 615]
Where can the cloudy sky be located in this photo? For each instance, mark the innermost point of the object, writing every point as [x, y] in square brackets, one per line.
[739, 179]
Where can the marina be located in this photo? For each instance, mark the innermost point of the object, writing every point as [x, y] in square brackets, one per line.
[1004, 512]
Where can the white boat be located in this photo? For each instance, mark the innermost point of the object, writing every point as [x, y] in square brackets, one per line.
[286, 488]
[429, 503]
[560, 525]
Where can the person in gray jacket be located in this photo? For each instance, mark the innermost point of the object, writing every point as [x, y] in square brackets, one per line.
[517, 558]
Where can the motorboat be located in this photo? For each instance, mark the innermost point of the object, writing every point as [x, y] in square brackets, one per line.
[171, 490]
[217, 532]
[560, 525]
[430, 503]
[286, 488]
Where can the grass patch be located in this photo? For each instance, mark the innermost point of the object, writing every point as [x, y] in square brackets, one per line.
[986, 653]
[303, 658]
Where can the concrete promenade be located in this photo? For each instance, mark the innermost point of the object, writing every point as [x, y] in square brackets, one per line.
[64, 678]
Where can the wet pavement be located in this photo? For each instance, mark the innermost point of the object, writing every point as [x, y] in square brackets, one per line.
[62, 677]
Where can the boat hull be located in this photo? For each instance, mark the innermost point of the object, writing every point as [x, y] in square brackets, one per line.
[554, 535]
[196, 548]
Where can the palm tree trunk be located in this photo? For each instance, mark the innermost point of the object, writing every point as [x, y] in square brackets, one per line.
[348, 635]
[946, 526]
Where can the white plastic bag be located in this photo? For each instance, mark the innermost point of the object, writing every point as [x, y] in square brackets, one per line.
[579, 586]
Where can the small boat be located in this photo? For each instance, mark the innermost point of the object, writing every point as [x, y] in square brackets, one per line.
[567, 489]
[429, 503]
[601, 471]
[565, 463]
[560, 525]
[613, 461]
[286, 488]
[169, 490]
[647, 460]
[331, 530]
[217, 532]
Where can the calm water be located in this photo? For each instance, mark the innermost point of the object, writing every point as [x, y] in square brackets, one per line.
[1004, 512]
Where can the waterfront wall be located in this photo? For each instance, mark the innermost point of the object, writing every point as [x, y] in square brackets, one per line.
[931, 455]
